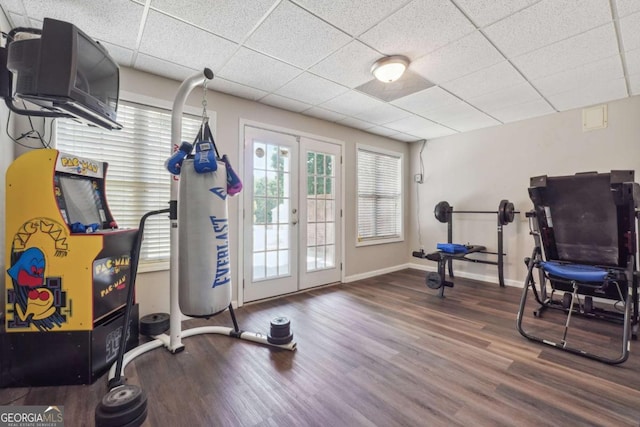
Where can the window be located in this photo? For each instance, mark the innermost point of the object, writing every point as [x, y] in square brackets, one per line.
[379, 196]
[137, 181]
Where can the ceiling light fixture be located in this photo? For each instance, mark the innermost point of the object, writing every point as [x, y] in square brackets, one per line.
[390, 68]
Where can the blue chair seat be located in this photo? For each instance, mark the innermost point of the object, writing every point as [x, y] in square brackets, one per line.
[577, 272]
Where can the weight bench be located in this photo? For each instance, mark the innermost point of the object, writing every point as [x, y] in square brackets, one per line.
[584, 228]
[445, 254]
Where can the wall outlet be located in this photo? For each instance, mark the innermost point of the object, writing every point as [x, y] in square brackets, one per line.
[418, 178]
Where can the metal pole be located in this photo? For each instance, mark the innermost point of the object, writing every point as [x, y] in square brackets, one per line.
[500, 254]
[449, 240]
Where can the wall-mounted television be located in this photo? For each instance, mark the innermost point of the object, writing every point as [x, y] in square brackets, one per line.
[66, 71]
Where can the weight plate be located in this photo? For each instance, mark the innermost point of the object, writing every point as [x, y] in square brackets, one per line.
[280, 323]
[566, 300]
[128, 414]
[509, 213]
[434, 281]
[121, 398]
[501, 211]
[280, 340]
[441, 211]
[154, 324]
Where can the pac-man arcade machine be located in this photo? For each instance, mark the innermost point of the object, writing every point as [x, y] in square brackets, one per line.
[68, 269]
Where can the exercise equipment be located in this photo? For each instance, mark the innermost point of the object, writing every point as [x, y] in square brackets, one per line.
[448, 252]
[215, 291]
[584, 228]
[68, 271]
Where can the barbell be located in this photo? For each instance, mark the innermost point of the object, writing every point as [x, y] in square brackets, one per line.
[506, 212]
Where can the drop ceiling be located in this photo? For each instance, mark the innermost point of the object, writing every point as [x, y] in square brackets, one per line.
[486, 62]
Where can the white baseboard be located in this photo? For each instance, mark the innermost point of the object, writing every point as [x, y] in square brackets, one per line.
[472, 276]
[374, 273]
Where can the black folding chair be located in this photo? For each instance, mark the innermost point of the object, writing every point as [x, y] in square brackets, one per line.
[584, 227]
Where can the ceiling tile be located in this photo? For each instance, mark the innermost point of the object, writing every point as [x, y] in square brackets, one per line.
[419, 126]
[13, 6]
[162, 68]
[19, 20]
[513, 113]
[285, 103]
[236, 89]
[627, 7]
[351, 103]
[594, 94]
[457, 59]
[120, 54]
[426, 101]
[381, 130]
[418, 28]
[502, 98]
[382, 114]
[632, 59]
[545, 23]
[583, 76]
[485, 12]
[116, 21]
[588, 47]
[324, 114]
[353, 17]
[311, 89]
[356, 123]
[462, 117]
[487, 80]
[629, 30]
[295, 36]
[350, 66]
[634, 82]
[256, 70]
[229, 19]
[168, 38]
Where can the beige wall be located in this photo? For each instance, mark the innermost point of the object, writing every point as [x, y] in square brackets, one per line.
[475, 170]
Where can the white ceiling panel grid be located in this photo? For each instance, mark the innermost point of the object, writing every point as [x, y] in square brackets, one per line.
[419, 28]
[295, 36]
[230, 19]
[545, 23]
[490, 61]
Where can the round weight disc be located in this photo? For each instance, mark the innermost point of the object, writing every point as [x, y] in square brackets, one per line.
[120, 398]
[280, 323]
[434, 281]
[509, 213]
[566, 300]
[280, 340]
[124, 405]
[154, 324]
[441, 211]
[502, 207]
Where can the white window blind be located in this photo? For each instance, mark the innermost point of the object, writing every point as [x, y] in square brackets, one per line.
[137, 181]
[379, 195]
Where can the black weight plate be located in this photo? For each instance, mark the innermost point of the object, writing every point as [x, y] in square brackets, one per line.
[509, 213]
[566, 300]
[502, 207]
[441, 211]
[138, 421]
[280, 340]
[154, 324]
[280, 323]
[434, 281]
[124, 416]
[121, 398]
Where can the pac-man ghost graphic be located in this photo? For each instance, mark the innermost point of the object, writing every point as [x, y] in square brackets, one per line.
[29, 269]
[39, 305]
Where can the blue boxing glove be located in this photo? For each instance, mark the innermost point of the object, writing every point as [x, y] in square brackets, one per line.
[205, 158]
[174, 162]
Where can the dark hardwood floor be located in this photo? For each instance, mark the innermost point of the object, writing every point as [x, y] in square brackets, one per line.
[384, 351]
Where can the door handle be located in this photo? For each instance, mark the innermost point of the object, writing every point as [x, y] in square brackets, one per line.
[294, 222]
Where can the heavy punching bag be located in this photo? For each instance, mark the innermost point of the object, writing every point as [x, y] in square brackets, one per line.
[203, 242]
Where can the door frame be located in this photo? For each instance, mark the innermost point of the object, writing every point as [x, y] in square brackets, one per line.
[241, 202]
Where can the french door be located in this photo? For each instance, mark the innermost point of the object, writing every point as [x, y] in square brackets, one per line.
[292, 213]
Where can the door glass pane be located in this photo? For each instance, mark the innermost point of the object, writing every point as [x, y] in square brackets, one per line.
[271, 210]
[321, 216]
